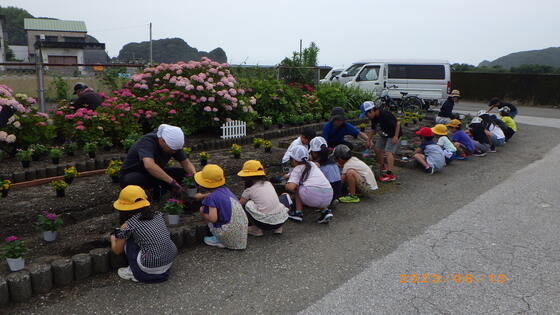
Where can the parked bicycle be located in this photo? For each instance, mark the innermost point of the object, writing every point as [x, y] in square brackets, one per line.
[407, 103]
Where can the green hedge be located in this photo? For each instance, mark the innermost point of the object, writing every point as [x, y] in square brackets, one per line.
[527, 89]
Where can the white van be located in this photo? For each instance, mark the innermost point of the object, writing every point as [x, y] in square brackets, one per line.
[349, 73]
[331, 75]
[430, 80]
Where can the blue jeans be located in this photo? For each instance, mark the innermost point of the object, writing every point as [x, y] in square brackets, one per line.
[498, 142]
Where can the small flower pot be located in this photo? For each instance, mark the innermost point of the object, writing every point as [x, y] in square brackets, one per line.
[107, 148]
[60, 193]
[257, 145]
[203, 162]
[191, 192]
[16, 264]
[267, 150]
[68, 180]
[5, 193]
[35, 157]
[237, 155]
[49, 236]
[91, 155]
[173, 219]
[55, 160]
[280, 126]
[70, 153]
[115, 179]
[25, 164]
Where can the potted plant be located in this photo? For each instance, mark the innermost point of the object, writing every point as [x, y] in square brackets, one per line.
[69, 174]
[190, 185]
[49, 223]
[174, 208]
[257, 142]
[70, 148]
[5, 188]
[236, 150]
[60, 187]
[267, 122]
[55, 153]
[106, 143]
[280, 121]
[362, 127]
[127, 144]
[203, 156]
[38, 151]
[187, 152]
[113, 170]
[267, 145]
[24, 156]
[90, 149]
[13, 252]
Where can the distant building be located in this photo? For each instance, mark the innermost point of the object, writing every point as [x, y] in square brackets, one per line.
[60, 42]
[21, 52]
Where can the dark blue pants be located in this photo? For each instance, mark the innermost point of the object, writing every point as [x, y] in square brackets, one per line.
[132, 249]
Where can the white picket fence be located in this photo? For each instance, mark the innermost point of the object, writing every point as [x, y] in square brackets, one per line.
[234, 129]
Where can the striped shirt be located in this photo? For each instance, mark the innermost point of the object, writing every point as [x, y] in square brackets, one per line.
[152, 236]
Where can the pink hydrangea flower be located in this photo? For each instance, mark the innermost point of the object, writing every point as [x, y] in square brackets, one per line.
[207, 108]
[199, 88]
[172, 112]
[81, 128]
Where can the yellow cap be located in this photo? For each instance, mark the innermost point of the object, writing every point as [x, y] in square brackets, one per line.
[132, 197]
[252, 168]
[455, 93]
[440, 130]
[454, 123]
[211, 176]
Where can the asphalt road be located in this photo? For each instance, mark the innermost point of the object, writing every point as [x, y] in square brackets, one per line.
[493, 215]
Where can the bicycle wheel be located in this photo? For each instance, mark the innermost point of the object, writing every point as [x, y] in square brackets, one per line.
[412, 104]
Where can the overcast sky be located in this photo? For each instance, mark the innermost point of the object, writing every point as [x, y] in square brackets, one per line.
[264, 31]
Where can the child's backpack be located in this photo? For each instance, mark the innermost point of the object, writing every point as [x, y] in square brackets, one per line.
[508, 132]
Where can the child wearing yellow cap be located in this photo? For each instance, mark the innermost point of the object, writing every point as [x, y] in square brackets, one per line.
[221, 209]
[449, 150]
[262, 205]
[144, 238]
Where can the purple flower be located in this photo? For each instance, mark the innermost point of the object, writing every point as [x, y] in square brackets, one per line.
[51, 216]
[11, 238]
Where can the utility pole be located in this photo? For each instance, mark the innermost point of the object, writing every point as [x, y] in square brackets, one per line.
[300, 53]
[151, 45]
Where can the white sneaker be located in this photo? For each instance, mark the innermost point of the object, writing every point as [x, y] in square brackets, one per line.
[213, 241]
[126, 274]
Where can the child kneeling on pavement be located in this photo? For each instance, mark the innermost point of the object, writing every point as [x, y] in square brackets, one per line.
[429, 155]
[144, 238]
[262, 206]
[327, 165]
[449, 150]
[221, 209]
[310, 187]
[356, 174]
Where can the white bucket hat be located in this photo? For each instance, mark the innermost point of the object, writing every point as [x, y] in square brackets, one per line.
[299, 153]
[173, 136]
[316, 143]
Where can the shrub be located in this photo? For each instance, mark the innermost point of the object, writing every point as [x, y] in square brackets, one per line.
[90, 147]
[55, 152]
[24, 155]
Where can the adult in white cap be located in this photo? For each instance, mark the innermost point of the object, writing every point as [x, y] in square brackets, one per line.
[145, 164]
[383, 137]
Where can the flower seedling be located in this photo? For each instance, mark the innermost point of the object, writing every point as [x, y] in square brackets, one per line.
[48, 221]
[236, 150]
[174, 207]
[13, 248]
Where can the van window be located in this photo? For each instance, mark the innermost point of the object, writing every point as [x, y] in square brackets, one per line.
[370, 73]
[434, 72]
[354, 69]
[334, 74]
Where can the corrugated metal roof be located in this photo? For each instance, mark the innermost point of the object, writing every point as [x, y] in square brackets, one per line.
[54, 25]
